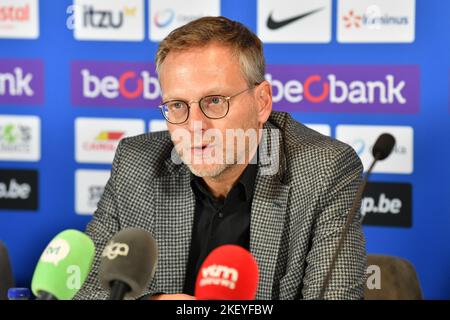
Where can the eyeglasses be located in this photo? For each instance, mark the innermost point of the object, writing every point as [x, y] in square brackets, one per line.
[213, 107]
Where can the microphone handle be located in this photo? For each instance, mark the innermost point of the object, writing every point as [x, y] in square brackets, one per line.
[118, 290]
[350, 218]
[44, 295]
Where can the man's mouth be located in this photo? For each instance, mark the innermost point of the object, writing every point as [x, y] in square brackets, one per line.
[201, 149]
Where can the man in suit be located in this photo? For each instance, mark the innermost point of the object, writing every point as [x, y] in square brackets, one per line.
[274, 187]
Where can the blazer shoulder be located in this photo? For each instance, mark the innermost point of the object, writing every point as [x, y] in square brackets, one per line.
[308, 149]
[148, 151]
[159, 138]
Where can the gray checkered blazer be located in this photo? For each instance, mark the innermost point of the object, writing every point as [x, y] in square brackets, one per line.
[297, 214]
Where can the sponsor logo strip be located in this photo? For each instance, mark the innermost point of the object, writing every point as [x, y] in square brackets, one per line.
[19, 189]
[113, 20]
[166, 16]
[345, 88]
[387, 204]
[96, 139]
[120, 84]
[362, 139]
[20, 138]
[21, 82]
[89, 186]
[376, 21]
[19, 19]
[294, 21]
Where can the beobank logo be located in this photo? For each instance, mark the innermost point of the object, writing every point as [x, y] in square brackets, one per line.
[345, 88]
[115, 84]
[21, 82]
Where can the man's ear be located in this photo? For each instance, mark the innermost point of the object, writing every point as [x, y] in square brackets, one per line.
[263, 96]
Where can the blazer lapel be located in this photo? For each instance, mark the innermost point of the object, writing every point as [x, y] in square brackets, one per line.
[268, 209]
[174, 216]
[266, 227]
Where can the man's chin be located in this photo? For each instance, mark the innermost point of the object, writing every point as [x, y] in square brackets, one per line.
[207, 170]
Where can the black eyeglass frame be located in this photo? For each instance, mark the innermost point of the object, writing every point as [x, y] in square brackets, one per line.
[188, 105]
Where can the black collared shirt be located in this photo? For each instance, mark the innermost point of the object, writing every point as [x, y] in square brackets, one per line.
[219, 221]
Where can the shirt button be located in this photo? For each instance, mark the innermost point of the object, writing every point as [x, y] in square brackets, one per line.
[220, 215]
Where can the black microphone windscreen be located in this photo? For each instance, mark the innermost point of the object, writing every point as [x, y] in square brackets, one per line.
[130, 257]
[383, 146]
[6, 275]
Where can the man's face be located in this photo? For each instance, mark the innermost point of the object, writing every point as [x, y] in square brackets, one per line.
[201, 142]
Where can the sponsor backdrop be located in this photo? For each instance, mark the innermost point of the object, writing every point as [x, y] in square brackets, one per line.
[78, 76]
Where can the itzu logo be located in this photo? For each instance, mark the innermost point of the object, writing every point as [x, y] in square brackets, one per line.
[108, 20]
[219, 275]
[114, 84]
[346, 89]
[104, 19]
[21, 82]
[115, 249]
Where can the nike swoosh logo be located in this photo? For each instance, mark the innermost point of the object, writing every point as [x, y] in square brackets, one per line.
[273, 25]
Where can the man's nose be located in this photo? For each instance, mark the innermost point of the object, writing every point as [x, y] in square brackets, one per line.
[196, 117]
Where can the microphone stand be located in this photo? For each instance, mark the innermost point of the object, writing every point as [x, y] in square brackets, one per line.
[350, 218]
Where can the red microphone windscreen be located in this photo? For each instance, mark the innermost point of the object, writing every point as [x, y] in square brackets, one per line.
[229, 272]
